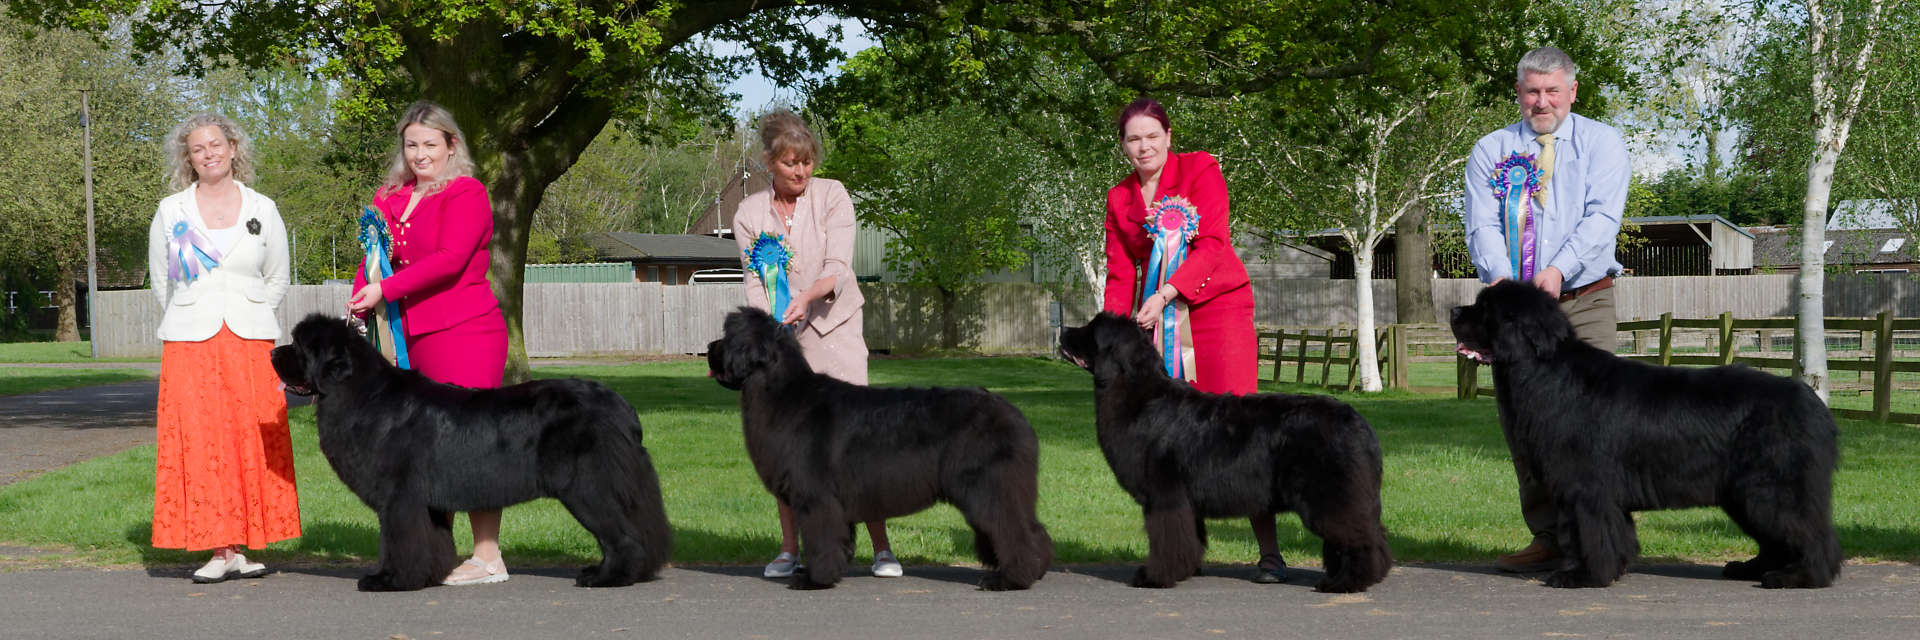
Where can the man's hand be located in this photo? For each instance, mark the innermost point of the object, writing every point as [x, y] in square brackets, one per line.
[1549, 280]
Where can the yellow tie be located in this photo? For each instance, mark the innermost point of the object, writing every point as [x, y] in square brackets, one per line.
[1546, 165]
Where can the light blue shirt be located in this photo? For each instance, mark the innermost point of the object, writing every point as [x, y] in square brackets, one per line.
[1574, 230]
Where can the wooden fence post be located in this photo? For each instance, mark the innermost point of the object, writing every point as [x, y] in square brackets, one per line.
[1467, 377]
[1400, 362]
[1883, 368]
[1300, 361]
[1666, 339]
[1726, 338]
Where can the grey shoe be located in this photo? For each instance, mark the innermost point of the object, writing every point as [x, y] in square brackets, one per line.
[782, 566]
[885, 566]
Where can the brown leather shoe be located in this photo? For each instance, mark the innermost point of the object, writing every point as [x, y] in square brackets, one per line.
[1536, 557]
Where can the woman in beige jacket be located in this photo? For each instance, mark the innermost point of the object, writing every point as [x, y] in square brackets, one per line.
[813, 219]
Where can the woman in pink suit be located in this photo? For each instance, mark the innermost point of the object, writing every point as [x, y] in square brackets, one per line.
[1210, 285]
[441, 222]
[814, 218]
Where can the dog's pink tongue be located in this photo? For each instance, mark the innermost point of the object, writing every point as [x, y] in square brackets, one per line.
[282, 385]
[1471, 354]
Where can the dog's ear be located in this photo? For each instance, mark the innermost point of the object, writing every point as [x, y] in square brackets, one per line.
[1524, 321]
[750, 344]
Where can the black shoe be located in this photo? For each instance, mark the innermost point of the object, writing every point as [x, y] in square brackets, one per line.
[1271, 570]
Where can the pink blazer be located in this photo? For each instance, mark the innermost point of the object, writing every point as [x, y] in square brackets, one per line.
[1211, 268]
[439, 256]
[822, 244]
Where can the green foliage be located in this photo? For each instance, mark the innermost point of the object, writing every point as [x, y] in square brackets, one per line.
[633, 181]
[43, 236]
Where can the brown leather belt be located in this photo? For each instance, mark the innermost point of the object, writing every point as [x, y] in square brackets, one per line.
[1597, 285]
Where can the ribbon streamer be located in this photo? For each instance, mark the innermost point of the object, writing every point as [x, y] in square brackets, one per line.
[191, 254]
[378, 246]
[1171, 223]
[1515, 181]
[769, 258]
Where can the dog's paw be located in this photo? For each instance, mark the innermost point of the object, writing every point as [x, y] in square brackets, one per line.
[1141, 580]
[384, 582]
[1575, 580]
[996, 581]
[803, 581]
[1792, 578]
[1743, 570]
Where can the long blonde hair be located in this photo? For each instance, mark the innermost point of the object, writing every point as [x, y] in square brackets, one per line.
[459, 162]
[180, 171]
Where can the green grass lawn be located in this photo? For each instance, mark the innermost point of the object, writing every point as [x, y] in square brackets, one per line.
[1449, 487]
[56, 352]
[17, 380]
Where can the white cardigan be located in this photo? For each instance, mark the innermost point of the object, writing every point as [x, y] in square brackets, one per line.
[241, 293]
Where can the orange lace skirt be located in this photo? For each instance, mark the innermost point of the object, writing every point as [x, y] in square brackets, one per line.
[224, 470]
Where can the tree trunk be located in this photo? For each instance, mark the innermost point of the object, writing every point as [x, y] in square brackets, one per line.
[949, 321]
[1369, 358]
[65, 292]
[1810, 323]
[1413, 267]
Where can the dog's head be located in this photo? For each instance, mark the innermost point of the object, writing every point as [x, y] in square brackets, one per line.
[1110, 345]
[753, 342]
[1511, 321]
[324, 354]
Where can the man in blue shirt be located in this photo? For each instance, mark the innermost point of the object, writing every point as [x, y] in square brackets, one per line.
[1553, 213]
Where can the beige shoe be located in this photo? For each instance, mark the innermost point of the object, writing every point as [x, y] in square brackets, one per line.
[1536, 557]
[214, 570]
[473, 571]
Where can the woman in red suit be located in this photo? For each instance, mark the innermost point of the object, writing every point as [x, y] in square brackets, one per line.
[441, 221]
[1207, 282]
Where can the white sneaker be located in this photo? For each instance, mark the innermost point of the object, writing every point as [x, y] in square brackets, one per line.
[214, 570]
[884, 566]
[487, 573]
[221, 569]
[782, 566]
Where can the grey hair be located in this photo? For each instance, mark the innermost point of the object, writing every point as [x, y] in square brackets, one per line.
[433, 116]
[783, 132]
[1547, 60]
[180, 171]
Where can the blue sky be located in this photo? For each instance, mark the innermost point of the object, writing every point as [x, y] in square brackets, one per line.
[757, 91]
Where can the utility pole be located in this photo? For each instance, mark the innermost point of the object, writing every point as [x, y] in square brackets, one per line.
[93, 279]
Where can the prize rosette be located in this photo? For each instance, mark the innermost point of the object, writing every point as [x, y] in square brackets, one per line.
[1514, 182]
[378, 245]
[1172, 222]
[769, 258]
[190, 254]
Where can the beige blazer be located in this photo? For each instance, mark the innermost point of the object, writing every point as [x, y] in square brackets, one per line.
[241, 293]
[822, 245]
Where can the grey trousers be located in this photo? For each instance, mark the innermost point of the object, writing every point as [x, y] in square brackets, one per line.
[1594, 322]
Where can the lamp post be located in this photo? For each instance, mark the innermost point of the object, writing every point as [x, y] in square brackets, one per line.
[93, 280]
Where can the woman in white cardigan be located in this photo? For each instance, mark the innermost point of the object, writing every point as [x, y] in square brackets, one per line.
[217, 258]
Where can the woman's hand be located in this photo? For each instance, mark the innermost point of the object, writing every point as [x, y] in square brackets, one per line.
[1149, 314]
[365, 299]
[796, 311]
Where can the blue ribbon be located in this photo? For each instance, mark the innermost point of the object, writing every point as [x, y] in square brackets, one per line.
[378, 245]
[1514, 182]
[191, 253]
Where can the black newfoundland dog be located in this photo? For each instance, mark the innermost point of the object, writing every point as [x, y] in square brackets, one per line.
[415, 451]
[1608, 436]
[841, 453]
[1185, 455]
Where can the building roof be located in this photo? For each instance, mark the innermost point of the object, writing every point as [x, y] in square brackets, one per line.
[1780, 247]
[1695, 219]
[1862, 214]
[748, 177]
[661, 247]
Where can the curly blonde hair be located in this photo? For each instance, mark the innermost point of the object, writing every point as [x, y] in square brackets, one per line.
[459, 162]
[180, 171]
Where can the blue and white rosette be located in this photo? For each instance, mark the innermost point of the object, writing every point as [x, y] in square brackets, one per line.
[190, 254]
[1171, 224]
[769, 258]
[375, 240]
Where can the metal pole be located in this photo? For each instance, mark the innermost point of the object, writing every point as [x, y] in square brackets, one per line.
[93, 268]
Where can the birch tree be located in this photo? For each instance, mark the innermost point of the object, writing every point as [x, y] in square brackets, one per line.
[1839, 53]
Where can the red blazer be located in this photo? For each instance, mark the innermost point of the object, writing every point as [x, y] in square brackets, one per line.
[439, 255]
[1211, 267]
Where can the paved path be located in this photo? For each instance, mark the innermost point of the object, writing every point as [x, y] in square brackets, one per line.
[730, 602]
[52, 429]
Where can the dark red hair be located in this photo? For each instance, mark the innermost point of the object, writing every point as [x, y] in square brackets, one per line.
[1144, 106]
